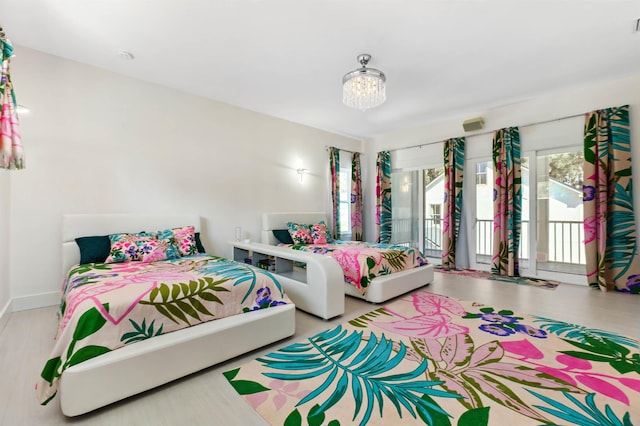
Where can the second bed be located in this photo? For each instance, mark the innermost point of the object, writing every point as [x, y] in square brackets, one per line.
[380, 288]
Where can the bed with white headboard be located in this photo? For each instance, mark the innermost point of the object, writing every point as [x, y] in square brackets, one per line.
[135, 368]
[380, 289]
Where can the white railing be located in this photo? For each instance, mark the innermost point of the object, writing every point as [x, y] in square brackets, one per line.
[565, 241]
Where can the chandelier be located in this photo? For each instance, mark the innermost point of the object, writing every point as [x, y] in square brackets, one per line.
[363, 88]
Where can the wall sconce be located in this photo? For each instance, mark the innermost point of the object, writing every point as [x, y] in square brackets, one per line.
[301, 172]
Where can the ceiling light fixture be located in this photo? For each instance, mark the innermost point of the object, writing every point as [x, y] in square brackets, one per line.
[364, 88]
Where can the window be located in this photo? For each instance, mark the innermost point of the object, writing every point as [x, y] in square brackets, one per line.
[484, 211]
[481, 173]
[551, 232]
[404, 204]
[345, 202]
[560, 233]
[436, 213]
[433, 200]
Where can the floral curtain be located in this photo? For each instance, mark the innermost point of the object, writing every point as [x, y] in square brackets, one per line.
[453, 175]
[609, 221]
[334, 166]
[507, 201]
[11, 153]
[356, 198]
[383, 197]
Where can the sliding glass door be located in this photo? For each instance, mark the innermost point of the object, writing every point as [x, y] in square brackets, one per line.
[405, 202]
[551, 226]
[417, 205]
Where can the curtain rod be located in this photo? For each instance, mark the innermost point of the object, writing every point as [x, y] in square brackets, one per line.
[326, 148]
[491, 131]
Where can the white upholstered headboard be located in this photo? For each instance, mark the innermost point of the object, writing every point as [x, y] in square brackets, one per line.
[271, 221]
[86, 225]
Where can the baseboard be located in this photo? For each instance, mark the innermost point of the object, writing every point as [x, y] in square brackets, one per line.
[4, 315]
[34, 301]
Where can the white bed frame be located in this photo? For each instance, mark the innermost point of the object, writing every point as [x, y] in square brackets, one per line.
[150, 363]
[380, 289]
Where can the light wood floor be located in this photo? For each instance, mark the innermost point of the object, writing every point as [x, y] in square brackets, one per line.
[205, 398]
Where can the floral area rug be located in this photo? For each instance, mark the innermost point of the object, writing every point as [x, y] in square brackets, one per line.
[431, 359]
[538, 282]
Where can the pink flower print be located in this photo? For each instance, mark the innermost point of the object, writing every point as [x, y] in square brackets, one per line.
[284, 390]
[590, 229]
[356, 218]
[445, 223]
[348, 259]
[433, 326]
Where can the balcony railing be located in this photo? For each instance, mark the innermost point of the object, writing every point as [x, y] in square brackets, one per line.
[564, 241]
[403, 234]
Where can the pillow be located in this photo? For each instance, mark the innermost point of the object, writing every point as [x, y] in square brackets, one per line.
[93, 249]
[124, 247]
[199, 245]
[329, 237]
[184, 239]
[283, 236]
[300, 233]
[169, 240]
[319, 233]
[151, 249]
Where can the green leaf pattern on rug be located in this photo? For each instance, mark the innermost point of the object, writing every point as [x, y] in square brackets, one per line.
[346, 361]
[587, 413]
[411, 358]
[604, 350]
[580, 332]
[363, 320]
[470, 372]
[243, 387]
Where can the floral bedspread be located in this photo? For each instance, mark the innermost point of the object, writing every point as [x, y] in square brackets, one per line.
[361, 262]
[106, 306]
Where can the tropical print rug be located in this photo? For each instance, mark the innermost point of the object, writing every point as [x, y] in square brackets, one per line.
[538, 282]
[431, 359]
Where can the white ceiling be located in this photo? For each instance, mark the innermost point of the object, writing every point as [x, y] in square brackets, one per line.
[286, 58]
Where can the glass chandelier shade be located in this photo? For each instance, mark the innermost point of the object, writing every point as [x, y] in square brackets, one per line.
[364, 88]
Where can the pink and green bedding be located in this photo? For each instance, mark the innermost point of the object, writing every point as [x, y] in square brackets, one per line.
[362, 262]
[106, 306]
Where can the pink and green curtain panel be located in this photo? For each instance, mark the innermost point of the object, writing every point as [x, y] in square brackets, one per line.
[11, 152]
[383, 197]
[356, 198]
[609, 222]
[507, 201]
[334, 166]
[453, 178]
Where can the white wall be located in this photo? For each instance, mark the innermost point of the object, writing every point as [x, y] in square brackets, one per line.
[98, 142]
[547, 106]
[5, 200]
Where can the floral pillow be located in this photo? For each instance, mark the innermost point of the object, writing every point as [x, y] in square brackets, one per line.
[169, 240]
[183, 240]
[300, 233]
[124, 247]
[319, 233]
[152, 250]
